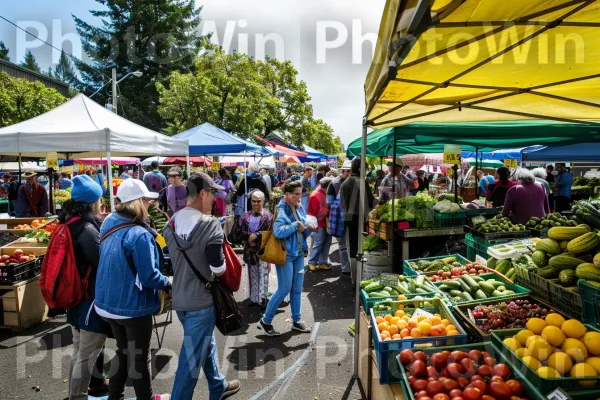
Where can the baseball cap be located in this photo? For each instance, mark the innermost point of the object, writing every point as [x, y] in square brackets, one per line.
[347, 164]
[133, 189]
[174, 171]
[200, 181]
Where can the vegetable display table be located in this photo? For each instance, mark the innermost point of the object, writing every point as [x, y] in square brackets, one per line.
[22, 305]
[407, 234]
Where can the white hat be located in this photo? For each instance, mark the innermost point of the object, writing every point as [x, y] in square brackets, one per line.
[133, 189]
[347, 164]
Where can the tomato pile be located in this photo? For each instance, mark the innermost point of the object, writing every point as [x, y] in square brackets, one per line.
[459, 375]
[455, 272]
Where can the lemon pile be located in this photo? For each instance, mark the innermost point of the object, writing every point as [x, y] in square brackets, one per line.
[556, 347]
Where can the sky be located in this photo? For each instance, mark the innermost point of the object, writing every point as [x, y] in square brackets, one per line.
[330, 42]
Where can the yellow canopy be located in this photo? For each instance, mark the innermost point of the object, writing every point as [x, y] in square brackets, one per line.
[485, 60]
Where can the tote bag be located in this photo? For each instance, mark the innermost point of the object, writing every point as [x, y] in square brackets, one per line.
[272, 250]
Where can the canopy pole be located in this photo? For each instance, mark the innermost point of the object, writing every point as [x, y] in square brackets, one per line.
[245, 185]
[187, 164]
[359, 255]
[455, 168]
[110, 181]
[476, 177]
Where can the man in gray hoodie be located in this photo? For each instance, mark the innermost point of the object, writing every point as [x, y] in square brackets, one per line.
[197, 233]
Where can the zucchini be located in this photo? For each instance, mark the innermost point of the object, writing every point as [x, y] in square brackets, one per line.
[507, 292]
[487, 288]
[480, 295]
[476, 278]
[463, 285]
[373, 286]
[455, 293]
[454, 284]
[467, 296]
[495, 283]
[496, 293]
[422, 291]
[470, 282]
[501, 288]
[444, 288]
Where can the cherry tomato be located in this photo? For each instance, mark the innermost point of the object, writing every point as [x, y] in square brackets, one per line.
[419, 385]
[497, 379]
[489, 361]
[481, 385]
[457, 356]
[476, 378]
[462, 382]
[422, 393]
[419, 368]
[441, 396]
[419, 355]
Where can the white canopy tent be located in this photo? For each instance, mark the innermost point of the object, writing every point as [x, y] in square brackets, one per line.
[83, 128]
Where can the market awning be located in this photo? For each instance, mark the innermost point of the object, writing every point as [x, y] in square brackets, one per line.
[194, 161]
[208, 139]
[580, 152]
[504, 154]
[282, 149]
[485, 60]
[113, 160]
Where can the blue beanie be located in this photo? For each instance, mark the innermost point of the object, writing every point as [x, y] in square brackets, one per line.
[85, 190]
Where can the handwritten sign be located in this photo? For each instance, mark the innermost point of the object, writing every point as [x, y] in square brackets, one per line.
[509, 163]
[52, 160]
[215, 166]
[452, 154]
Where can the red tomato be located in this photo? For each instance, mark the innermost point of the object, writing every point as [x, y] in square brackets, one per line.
[455, 393]
[462, 382]
[472, 393]
[476, 355]
[431, 379]
[439, 360]
[476, 378]
[432, 372]
[407, 356]
[441, 396]
[412, 379]
[515, 386]
[481, 385]
[455, 370]
[501, 370]
[487, 397]
[419, 368]
[457, 356]
[466, 363]
[422, 393]
[434, 387]
[419, 355]
[489, 361]
[419, 385]
[484, 370]
[497, 379]
[450, 385]
[445, 372]
[500, 390]
[457, 398]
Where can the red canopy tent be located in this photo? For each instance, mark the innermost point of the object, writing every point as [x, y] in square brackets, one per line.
[194, 161]
[285, 150]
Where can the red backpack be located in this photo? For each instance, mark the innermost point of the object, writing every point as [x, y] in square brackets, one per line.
[61, 284]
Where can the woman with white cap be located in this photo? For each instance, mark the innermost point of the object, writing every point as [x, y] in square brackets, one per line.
[127, 285]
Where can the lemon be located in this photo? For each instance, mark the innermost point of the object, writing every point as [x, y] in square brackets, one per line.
[553, 335]
[532, 363]
[522, 352]
[573, 329]
[540, 349]
[531, 339]
[583, 370]
[575, 349]
[523, 335]
[512, 343]
[594, 362]
[592, 342]
[536, 325]
[560, 362]
[554, 319]
[548, 372]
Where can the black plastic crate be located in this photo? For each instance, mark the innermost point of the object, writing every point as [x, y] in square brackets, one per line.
[450, 220]
[19, 272]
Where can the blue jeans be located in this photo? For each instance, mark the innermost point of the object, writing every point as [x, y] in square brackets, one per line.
[198, 350]
[320, 248]
[290, 278]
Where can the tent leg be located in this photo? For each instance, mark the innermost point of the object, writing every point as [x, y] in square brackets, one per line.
[245, 184]
[187, 164]
[359, 255]
[110, 181]
[476, 177]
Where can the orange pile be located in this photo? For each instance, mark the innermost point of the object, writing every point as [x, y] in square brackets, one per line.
[402, 326]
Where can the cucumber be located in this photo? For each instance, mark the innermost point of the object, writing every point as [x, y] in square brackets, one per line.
[511, 274]
[387, 294]
[387, 289]
[421, 291]
[496, 283]
[480, 295]
[496, 293]
[501, 288]
[467, 296]
[455, 285]
[444, 288]
[487, 288]
[476, 278]
[455, 293]
[463, 285]
[507, 293]
[473, 286]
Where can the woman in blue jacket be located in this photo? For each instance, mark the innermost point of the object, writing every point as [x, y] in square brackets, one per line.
[127, 285]
[289, 226]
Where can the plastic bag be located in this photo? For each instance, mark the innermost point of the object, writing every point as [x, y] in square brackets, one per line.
[311, 220]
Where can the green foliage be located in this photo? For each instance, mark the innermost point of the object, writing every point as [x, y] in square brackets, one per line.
[64, 71]
[3, 52]
[157, 38]
[450, 197]
[21, 100]
[30, 63]
[371, 243]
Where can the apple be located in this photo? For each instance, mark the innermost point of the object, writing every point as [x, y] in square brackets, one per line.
[23, 258]
[4, 258]
[17, 253]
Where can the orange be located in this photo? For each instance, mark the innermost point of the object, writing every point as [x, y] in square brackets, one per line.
[393, 329]
[438, 330]
[412, 324]
[405, 317]
[379, 319]
[404, 333]
[387, 317]
[416, 332]
[421, 318]
[382, 326]
[394, 320]
[385, 339]
[408, 337]
[399, 314]
[451, 328]
[445, 322]
[453, 332]
[385, 334]
[425, 327]
[402, 324]
[396, 336]
[401, 297]
[435, 320]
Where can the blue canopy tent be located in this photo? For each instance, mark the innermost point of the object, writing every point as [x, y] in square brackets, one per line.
[574, 152]
[315, 155]
[503, 154]
[207, 139]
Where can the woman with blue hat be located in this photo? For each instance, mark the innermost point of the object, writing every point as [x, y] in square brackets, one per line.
[89, 330]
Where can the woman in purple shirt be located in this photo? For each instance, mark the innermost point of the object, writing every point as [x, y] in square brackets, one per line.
[174, 197]
[526, 200]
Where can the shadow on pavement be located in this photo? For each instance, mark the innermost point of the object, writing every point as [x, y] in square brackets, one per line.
[330, 294]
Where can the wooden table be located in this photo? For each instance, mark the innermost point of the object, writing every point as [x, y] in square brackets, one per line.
[23, 305]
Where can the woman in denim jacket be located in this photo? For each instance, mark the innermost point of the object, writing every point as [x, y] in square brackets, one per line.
[289, 226]
[129, 278]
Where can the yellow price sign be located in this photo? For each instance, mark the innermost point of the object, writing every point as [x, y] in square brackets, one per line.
[215, 165]
[510, 163]
[52, 160]
[452, 154]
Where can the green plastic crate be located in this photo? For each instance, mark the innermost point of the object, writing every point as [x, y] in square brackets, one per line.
[478, 247]
[409, 271]
[449, 220]
[519, 290]
[368, 303]
[529, 390]
[590, 297]
[545, 386]
[565, 300]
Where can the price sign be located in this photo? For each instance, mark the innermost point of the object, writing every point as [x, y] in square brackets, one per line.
[511, 163]
[452, 154]
[52, 160]
[216, 165]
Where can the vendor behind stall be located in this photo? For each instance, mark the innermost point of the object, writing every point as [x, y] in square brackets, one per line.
[33, 198]
[525, 200]
[400, 180]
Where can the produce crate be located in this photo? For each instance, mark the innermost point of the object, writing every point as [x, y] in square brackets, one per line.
[409, 271]
[20, 272]
[449, 220]
[501, 235]
[529, 390]
[368, 303]
[540, 233]
[477, 335]
[473, 212]
[538, 285]
[565, 300]
[545, 386]
[590, 297]
[519, 290]
[478, 247]
[383, 230]
[386, 351]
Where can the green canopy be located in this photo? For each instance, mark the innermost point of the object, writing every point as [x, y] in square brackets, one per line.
[428, 137]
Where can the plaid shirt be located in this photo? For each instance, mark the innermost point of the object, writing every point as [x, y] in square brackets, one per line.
[306, 186]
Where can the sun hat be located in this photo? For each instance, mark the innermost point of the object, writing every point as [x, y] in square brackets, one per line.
[28, 173]
[85, 190]
[133, 189]
[346, 165]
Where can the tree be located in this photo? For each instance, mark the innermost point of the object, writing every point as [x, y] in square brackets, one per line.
[3, 52]
[21, 100]
[317, 134]
[30, 63]
[64, 71]
[156, 38]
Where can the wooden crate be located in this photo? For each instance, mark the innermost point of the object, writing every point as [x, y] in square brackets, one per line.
[23, 305]
[25, 245]
[36, 251]
[383, 392]
[383, 230]
[365, 347]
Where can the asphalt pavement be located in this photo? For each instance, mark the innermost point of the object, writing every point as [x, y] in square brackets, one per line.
[314, 366]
